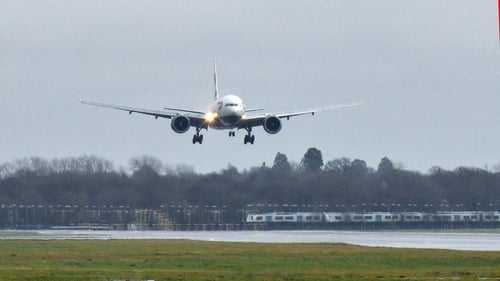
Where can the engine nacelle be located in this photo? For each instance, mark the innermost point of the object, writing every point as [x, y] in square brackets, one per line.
[272, 124]
[180, 124]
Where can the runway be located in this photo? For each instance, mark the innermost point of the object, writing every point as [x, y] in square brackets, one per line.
[483, 240]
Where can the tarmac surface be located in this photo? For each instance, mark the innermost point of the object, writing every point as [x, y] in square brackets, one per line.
[480, 240]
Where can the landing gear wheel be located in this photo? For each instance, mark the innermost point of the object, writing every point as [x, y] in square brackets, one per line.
[232, 134]
[197, 138]
[249, 139]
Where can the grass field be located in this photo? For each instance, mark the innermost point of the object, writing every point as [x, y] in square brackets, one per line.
[190, 260]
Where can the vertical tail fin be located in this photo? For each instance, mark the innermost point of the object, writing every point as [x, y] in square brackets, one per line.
[216, 90]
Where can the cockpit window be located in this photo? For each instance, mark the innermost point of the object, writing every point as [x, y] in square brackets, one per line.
[231, 104]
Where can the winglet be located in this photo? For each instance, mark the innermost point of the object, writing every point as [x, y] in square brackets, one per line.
[216, 90]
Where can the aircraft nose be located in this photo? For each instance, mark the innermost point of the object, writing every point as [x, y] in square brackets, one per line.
[231, 119]
[234, 111]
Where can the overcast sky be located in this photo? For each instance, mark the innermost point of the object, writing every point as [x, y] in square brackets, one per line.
[428, 72]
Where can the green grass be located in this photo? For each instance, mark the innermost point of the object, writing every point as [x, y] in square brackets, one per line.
[189, 260]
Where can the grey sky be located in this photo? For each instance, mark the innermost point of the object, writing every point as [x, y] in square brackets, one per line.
[428, 72]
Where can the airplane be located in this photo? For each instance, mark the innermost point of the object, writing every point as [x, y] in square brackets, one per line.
[224, 113]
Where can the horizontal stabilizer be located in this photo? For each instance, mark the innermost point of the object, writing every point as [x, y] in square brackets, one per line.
[254, 109]
[184, 110]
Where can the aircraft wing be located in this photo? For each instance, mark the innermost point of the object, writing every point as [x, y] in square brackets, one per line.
[258, 120]
[196, 118]
[316, 109]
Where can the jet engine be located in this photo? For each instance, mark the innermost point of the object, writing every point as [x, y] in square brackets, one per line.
[272, 124]
[180, 124]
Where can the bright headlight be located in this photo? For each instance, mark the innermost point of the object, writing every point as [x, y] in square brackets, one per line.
[210, 116]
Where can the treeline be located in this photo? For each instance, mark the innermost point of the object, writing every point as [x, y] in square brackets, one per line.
[90, 180]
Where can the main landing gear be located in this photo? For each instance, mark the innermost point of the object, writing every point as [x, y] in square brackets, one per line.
[249, 138]
[198, 138]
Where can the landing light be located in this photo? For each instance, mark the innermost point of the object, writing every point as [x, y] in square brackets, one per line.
[210, 116]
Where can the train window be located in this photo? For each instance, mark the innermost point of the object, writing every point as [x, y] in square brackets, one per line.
[316, 218]
[278, 218]
[368, 217]
[338, 218]
[496, 217]
[289, 218]
[308, 218]
[408, 218]
[388, 217]
[417, 218]
[258, 218]
[358, 217]
[474, 217]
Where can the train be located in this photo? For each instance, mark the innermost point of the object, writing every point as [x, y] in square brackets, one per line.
[375, 217]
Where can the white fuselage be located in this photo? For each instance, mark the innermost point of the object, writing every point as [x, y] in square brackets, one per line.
[227, 112]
